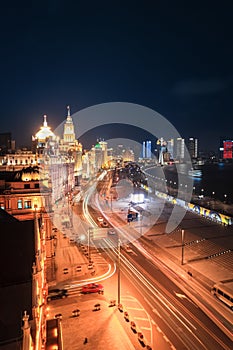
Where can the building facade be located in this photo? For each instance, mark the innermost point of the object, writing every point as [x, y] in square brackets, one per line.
[192, 146]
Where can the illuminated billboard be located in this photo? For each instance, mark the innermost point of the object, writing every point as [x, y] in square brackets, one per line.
[137, 198]
[227, 149]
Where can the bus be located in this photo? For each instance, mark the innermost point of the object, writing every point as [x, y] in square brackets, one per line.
[224, 292]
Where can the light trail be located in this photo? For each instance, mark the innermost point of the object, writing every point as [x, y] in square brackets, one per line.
[154, 294]
[103, 277]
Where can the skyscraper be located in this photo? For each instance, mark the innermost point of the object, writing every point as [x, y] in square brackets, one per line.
[226, 148]
[193, 147]
[146, 149]
[179, 148]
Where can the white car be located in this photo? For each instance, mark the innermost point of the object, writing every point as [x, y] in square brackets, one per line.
[100, 219]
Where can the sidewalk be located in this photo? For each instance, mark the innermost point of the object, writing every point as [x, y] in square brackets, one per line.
[102, 329]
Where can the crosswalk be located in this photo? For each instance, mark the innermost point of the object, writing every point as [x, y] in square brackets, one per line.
[138, 316]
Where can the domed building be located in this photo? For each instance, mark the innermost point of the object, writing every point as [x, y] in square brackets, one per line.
[41, 138]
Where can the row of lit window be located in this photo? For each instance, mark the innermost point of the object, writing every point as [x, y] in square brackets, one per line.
[27, 204]
[22, 161]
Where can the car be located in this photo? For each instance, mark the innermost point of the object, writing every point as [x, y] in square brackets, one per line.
[100, 219]
[111, 231]
[57, 293]
[92, 288]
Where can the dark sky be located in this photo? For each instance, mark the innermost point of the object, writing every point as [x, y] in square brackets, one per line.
[175, 57]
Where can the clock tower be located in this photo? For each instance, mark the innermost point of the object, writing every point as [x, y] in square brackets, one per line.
[69, 134]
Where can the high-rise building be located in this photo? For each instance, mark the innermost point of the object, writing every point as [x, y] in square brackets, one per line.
[170, 148]
[226, 149]
[192, 146]
[146, 149]
[180, 147]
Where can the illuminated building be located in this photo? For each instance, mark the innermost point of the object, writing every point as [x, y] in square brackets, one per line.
[41, 138]
[98, 156]
[128, 155]
[104, 147]
[193, 147]
[180, 148]
[18, 160]
[163, 150]
[226, 149]
[70, 147]
[146, 149]
[170, 148]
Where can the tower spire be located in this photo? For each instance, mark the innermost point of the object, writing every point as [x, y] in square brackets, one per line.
[68, 111]
[45, 121]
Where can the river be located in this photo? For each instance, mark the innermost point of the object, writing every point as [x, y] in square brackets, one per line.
[216, 180]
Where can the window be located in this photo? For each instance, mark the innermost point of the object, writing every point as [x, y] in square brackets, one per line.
[20, 204]
[27, 186]
[37, 185]
[27, 204]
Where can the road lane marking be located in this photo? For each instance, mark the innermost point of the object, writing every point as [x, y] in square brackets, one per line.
[135, 308]
[145, 328]
[141, 318]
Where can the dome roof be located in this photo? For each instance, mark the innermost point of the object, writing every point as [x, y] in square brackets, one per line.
[44, 131]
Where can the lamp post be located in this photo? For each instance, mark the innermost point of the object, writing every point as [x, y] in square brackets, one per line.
[141, 219]
[119, 271]
[182, 244]
[88, 244]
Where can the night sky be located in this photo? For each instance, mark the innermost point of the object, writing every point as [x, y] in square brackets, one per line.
[175, 57]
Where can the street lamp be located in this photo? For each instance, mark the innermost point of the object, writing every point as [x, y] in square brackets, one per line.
[202, 191]
[225, 196]
[119, 270]
[213, 194]
[182, 245]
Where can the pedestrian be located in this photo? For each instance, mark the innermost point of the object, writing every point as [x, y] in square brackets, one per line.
[85, 341]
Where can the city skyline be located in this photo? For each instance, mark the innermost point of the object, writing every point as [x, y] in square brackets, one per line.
[111, 132]
[173, 58]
